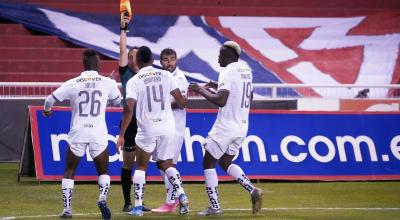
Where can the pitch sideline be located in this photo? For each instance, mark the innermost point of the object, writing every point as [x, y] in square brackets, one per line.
[234, 209]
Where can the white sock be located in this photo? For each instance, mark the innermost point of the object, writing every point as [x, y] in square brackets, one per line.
[212, 187]
[104, 186]
[139, 180]
[236, 172]
[67, 186]
[175, 179]
[170, 199]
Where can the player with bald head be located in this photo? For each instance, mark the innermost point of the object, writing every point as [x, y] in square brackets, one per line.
[233, 97]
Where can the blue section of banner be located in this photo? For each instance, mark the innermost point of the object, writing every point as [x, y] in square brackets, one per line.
[278, 144]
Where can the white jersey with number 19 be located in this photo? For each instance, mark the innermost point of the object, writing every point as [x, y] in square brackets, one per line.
[88, 95]
[233, 119]
[151, 89]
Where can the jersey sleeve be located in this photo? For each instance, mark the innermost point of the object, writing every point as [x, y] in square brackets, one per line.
[115, 93]
[172, 82]
[185, 85]
[224, 81]
[62, 93]
[131, 89]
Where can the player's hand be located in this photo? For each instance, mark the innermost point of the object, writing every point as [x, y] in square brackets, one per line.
[194, 87]
[47, 113]
[120, 143]
[211, 84]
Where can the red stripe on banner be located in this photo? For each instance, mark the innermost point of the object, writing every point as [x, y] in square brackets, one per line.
[341, 64]
[35, 140]
[281, 72]
[290, 112]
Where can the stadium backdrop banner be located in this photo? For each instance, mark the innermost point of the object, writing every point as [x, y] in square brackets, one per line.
[285, 145]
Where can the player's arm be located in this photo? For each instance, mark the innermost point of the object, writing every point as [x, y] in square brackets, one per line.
[126, 119]
[219, 98]
[48, 103]
[115, 95]
[59, 95]
[174, 105]
[123, 52]
[212, 84]
[180, 100]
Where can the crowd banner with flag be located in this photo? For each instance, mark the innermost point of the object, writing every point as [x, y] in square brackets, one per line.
[357, 50]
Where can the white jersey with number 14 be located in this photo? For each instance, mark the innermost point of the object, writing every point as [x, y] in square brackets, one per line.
[151, 89]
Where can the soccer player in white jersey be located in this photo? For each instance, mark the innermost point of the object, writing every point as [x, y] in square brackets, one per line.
[149, 90]
[88, 95]
[234, 94]
[169, 62]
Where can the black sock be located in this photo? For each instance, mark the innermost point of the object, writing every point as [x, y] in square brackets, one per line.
[126, 178]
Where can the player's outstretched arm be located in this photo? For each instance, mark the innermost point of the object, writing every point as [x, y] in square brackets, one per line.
[180, 100]
[219, 98]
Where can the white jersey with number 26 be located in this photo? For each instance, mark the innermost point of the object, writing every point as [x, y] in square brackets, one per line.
[151, 89]
[233, 119]
[88, 95]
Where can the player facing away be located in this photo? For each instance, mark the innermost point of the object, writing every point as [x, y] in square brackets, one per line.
[88, 95]
[149, 91]
[169, 62]
[234, 94]
[127, 69]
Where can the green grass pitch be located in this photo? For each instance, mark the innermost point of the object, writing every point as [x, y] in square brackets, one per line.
[30, 199]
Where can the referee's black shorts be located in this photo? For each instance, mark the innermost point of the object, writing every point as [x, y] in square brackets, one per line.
[130, 135]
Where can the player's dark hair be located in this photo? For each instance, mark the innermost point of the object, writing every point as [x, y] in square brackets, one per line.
[91, 60]
[233, 53]
[144, 55]
[168, 51]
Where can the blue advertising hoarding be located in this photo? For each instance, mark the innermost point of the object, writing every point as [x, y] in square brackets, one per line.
[287, 145]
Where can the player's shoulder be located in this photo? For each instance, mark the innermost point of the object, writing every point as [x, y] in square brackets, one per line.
[181, 74]
[238, 68]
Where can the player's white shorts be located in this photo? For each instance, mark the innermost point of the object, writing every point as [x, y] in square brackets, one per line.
[218, 145]
[95, 149]
[177, 145]
[160, 146]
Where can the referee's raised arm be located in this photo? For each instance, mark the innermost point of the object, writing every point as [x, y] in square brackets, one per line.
[123, 52]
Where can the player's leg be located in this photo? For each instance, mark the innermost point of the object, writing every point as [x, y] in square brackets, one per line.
[127, 165]
[163, 155]
[212, 153]
[171, 201]
[128, 156]
[101, 162]
[236, 172]
[67, 183]
[143, 150]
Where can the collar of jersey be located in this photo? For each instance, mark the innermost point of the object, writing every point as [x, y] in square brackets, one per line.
[232, 64]
[176, 71]
[89, 73]
[146, 68]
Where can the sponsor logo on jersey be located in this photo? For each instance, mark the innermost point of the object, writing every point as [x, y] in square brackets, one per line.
[88, 79]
